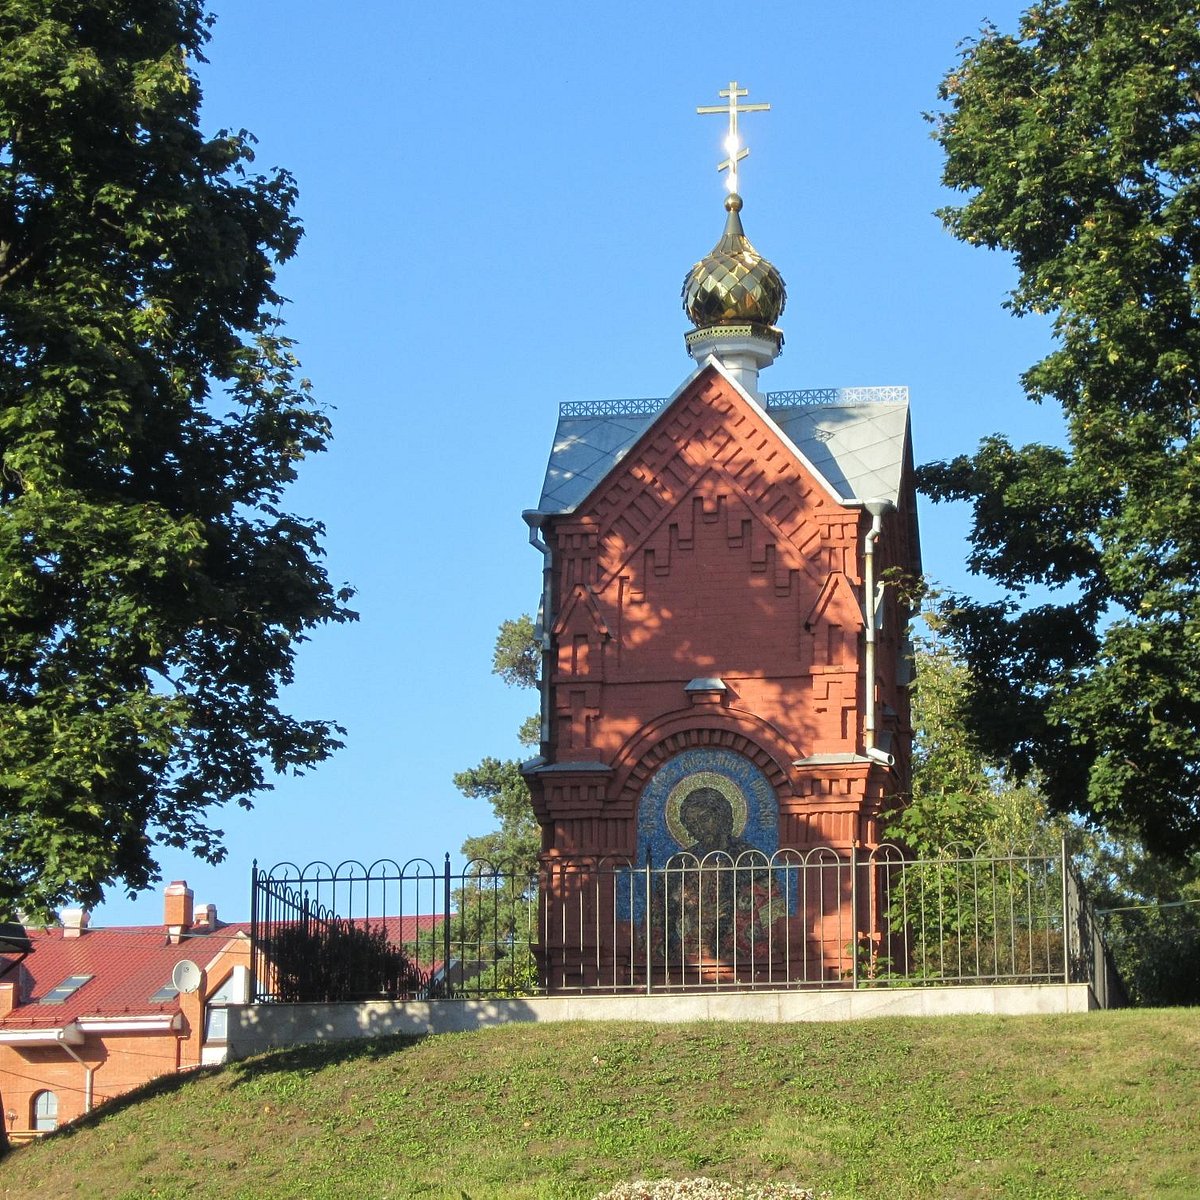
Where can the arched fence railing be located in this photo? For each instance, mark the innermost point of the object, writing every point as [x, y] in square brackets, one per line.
[825, 918]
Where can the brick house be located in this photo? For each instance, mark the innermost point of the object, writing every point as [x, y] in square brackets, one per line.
[719, 627]
[91, 1013]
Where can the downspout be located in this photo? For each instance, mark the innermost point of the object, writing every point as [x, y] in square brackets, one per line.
[89, 1074]
[545, 618]
[870, 613]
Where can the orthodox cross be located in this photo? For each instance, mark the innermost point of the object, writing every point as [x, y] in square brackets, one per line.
[736, 151]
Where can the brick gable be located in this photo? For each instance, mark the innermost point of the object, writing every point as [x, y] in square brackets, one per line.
[711, 549]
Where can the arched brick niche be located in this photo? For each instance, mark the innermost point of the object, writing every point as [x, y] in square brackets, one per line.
[720, 727]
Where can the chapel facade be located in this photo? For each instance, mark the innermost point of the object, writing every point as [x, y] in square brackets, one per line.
[723, 622]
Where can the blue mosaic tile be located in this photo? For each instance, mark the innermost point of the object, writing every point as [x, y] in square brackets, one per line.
[712, 807]
[742, 810]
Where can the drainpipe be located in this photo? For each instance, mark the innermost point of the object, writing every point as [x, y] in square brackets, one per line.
[89, 1074]
[870, 612]
[545, 621]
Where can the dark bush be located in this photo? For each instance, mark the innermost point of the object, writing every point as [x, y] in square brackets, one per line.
[337, 959]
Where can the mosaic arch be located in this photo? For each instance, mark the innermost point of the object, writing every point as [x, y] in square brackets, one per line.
[704, 800]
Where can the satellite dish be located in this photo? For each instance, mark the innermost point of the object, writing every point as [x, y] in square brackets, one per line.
[186, 976]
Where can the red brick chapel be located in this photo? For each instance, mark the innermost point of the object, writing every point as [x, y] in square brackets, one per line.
[719, 622]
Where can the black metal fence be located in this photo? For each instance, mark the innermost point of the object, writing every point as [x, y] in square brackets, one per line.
[822, 919]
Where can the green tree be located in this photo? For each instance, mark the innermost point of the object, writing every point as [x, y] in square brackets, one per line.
[152, 588]
[956, 914]
[1149, 905]
[1078, 143]
[515, 844]
[517, 659]
[1149, 911]
[494, 926]
[959, 797]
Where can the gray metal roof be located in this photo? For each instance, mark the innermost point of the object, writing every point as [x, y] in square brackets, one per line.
[854, 438]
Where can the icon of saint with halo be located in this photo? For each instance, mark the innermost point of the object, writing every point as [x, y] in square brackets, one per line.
[716, 898]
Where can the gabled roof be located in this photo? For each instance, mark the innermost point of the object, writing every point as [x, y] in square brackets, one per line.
[855, 438]
[128, 965]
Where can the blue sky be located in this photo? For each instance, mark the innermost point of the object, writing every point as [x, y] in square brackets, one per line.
[500, 203]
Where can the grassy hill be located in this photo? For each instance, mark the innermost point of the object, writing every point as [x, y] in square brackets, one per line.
[1101, 1105]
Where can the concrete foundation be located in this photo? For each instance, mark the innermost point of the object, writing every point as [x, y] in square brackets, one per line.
[254, 1028]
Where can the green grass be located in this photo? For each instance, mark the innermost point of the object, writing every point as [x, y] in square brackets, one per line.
[1098, 1105]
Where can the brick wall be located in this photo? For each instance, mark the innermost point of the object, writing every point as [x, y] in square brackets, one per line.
[712, 552]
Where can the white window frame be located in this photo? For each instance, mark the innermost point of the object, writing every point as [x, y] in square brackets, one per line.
[45, 1111]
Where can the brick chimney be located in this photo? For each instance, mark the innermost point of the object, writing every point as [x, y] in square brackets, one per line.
[177, 910]
[74, 921]
[205, 915]
[10, 995]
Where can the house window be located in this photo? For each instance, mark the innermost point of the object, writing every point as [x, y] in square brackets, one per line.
[45, 1111]
[68, 987]
[232, 990]
[216, 1024]
[216, 1016]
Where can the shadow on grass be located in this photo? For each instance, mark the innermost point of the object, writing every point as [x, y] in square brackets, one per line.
[294, 1059]
[318, 1055]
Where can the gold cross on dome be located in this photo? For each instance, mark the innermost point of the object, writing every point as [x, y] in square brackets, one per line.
[733, 146]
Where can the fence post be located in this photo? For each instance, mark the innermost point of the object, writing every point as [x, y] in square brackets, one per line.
[854, 916]
[1066, 919]
[446, 922]
[647, 922]
[254, 939]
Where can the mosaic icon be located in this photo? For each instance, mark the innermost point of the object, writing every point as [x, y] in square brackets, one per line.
[706, 801]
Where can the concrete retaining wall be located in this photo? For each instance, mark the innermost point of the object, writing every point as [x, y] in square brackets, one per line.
[257, 1027]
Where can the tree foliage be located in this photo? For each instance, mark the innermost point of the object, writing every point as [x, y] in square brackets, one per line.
[1078, 143]
[1149, 904]
[491, 929]
[960, 797]
[517, 658]
[335, 959]
[1150, 915]
[517, 841]
[152, 589]
[515, 844]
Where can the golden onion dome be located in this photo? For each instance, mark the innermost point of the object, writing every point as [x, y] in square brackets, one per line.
[734, 284]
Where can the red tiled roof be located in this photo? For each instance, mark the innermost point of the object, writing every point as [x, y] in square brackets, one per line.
[129, 965]
[401, 930]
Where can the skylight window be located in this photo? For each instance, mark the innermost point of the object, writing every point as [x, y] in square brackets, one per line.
[168, 991]
[67, 988]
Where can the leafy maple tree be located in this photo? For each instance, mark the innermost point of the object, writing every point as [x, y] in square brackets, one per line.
[1077, 141]
[152, 588]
